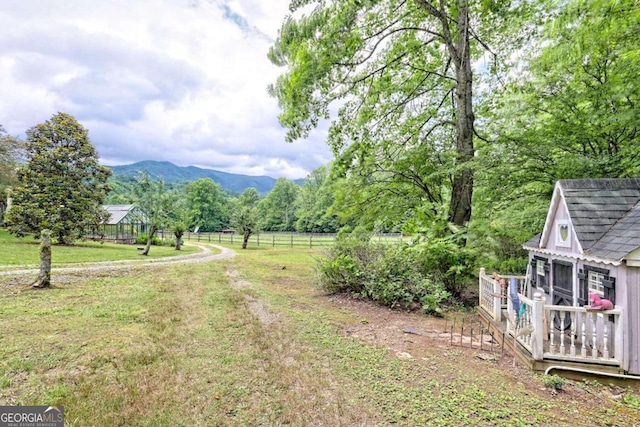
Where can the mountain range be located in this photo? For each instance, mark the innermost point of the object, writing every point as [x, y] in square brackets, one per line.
[170, 173]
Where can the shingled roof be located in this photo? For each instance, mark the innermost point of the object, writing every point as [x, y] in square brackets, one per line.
[605, 214]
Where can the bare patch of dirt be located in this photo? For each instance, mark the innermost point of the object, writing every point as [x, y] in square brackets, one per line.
[260, 311]
[236, 282]
[256, 307]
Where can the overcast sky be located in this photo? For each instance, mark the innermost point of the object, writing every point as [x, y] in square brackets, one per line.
[177, 80]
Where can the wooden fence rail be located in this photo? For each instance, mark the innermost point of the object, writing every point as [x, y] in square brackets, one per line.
[273, 239]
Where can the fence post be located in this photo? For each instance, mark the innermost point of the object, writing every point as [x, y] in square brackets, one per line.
[311, 240]
[258, 238]
[292, 240]
[273, 240]
[537, 318]
[497, 301]
[219, 237]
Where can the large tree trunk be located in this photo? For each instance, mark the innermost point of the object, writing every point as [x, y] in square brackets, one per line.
[152, 232]
[245, 240]
[178, 236]
[44, 278]
[462, 189]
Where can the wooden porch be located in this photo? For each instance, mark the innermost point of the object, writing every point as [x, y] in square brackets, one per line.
[544, 335]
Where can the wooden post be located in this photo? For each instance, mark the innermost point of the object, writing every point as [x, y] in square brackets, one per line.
[618, 340]
[537, 318]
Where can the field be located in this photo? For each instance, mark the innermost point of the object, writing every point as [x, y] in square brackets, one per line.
[250, 341]
[24, 253]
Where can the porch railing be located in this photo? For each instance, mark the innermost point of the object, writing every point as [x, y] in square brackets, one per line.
[555, 332]
[580, 334]
[491, 296]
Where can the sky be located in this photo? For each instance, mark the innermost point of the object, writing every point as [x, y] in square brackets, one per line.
[183, 81]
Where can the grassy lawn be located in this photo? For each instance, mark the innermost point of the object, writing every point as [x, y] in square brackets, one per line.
[249, 342]
[25, 252]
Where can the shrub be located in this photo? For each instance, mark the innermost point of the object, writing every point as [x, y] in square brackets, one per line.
[390, 274]
[554, 382]
[142, 240]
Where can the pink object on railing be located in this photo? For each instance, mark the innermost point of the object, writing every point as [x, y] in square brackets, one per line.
[599, 303]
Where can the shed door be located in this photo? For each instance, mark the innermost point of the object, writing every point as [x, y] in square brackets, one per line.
[562, 290]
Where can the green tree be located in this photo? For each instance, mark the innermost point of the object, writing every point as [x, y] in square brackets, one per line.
[277, 209]
[314, 202]
[11, 151]
[402, 75]
[208, 205]
[245, 214]
[249, 197]
[155, 204]
[62, 186]
[179, 217]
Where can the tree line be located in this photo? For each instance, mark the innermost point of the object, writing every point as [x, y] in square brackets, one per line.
[57, 183]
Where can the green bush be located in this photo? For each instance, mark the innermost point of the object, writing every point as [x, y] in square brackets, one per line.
[554, 382]
[142, 240]
[390, 274]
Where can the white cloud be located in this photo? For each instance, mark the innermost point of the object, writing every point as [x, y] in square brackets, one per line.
[177, 80]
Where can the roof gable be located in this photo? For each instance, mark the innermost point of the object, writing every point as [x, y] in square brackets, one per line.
[118, 212]
[596, 205]
[603, 213]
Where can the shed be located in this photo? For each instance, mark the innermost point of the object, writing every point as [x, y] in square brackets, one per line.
[590, 243]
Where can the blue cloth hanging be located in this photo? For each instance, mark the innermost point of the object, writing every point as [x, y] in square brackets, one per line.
[513, 294]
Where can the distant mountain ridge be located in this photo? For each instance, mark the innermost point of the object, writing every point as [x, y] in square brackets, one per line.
[171, 173]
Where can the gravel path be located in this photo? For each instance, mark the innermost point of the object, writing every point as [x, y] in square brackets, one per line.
[204, 255]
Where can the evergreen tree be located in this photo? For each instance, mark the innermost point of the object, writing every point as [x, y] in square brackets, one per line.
[62, 186]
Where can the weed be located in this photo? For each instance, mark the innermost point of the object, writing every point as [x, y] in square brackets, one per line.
[632, 400]
[554, 382]
[5, 381]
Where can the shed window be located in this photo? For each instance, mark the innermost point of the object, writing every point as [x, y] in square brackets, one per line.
[540, 269]
[596, 280]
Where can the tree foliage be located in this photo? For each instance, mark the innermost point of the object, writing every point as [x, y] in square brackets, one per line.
[154, 202]
[400, 73]
[244, 218]
[11, 151]
[208, 205]
[62, 186]
[278, 209]
[572, 112]
[314, 202]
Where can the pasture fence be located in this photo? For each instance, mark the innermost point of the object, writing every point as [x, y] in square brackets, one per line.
[273, 239]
